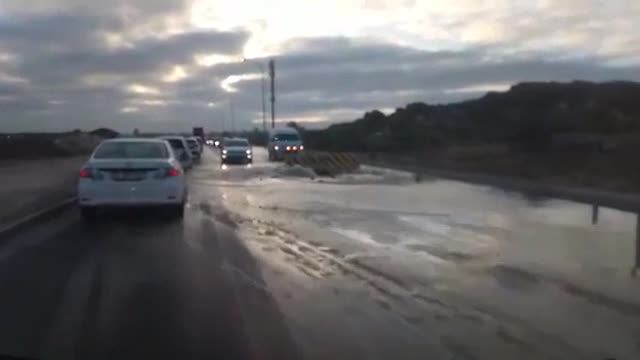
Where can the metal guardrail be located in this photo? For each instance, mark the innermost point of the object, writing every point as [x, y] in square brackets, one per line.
[332, 164]
[594, 197]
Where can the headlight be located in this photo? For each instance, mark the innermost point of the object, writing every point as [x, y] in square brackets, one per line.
[217, 143]
[248, 151]
[276, 147]
[224, 151]
[301, 147]
[288, 148]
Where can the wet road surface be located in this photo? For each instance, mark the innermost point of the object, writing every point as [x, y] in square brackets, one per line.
[135, 285]
[269, 266]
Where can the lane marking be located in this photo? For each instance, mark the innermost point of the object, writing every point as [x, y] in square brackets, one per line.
[38, 214]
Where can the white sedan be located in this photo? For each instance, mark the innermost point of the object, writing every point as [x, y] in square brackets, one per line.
[132, 172]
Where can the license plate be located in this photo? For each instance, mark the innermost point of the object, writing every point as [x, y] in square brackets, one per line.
[128, 176]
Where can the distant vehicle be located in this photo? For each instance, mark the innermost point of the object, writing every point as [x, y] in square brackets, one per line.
[283, 141]
[198, 132]
[180, 148]
[132, 172]
[236, 150]
[217, 143]
[194, 147]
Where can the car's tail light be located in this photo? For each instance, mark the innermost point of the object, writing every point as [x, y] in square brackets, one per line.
[86, 173]
[164, 173]
[173, 172]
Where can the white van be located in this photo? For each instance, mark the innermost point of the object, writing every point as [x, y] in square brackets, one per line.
[283, 141]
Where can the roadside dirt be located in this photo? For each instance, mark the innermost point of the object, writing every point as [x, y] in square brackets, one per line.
[31, 185]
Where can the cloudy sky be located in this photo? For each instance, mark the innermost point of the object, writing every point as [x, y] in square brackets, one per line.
[167, 65]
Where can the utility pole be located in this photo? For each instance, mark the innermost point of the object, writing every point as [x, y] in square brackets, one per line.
[263, 89]
[272, 75]
[233, 118]
[264, 116]
[223, 116]
[636, 267]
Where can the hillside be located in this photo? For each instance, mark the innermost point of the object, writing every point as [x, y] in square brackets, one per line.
[527, 115]
[576, 134]
[49, 145]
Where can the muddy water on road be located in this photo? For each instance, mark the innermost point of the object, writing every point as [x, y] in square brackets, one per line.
[476, 271]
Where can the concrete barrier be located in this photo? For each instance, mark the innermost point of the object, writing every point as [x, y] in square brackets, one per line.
[324, 163]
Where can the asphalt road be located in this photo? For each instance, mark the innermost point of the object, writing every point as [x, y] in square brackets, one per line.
[135, 285]
[270, 264]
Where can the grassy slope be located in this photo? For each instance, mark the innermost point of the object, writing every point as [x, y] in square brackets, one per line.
[615, 170]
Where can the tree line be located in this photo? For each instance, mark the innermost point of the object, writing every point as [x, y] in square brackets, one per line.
[527, 116]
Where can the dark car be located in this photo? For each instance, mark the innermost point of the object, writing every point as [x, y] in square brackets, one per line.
[194, 147]
[236, 150]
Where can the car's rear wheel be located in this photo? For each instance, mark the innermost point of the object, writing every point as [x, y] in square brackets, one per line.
[177, 211]
[88, 214]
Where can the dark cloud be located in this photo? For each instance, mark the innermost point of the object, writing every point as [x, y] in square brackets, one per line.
[303, 54]
[146, 7]
[63, 74]
[73, 45]
[349, 66]
[39, 32]
[433, 76]
[145, 58]
[345, 74]
[62, 68]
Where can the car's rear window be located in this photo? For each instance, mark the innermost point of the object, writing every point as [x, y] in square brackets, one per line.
[236, 143]
[132, 150]
[285, 137]
[176, 143]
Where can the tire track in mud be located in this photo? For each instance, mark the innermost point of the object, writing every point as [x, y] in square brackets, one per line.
[423, 312]
[419, 310]
[324, 262]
